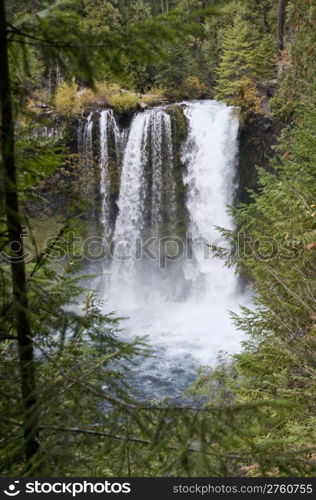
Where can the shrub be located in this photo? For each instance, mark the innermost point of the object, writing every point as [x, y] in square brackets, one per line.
[246, 96]
[67, 101]
[104, 90]
[193, 88]
[154, 97]
[38, 98]
[86, 97]
[124, 101]
[190, 88]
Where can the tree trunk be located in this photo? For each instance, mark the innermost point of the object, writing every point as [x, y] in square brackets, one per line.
[18, 272]
[281, 24]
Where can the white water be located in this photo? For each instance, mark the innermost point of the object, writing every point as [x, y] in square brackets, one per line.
[85, 136]
[108, 126]
[105, 116]
[161, 124]
[130, 203]
[182, 308]
[210, 155]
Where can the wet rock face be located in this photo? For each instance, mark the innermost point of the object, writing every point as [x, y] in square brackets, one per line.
[257, 137]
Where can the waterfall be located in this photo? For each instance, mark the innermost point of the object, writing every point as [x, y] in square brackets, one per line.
[166, 282]
[108, 129]
[104, 158]
[162, 160]
[85, 143]
[130, 203]
[147, 162]
[210, 155]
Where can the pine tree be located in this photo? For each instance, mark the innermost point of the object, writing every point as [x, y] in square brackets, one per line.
[275, 249]
[237, 64]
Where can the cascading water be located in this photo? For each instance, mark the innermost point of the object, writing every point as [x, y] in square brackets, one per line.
[210, 156]
[147, 161]
[130, 203]
[104, 159]
[108, 129]
[162, 159]
[85, 143]
[168, 284]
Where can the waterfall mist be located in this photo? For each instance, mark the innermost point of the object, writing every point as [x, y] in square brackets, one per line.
[162, 275]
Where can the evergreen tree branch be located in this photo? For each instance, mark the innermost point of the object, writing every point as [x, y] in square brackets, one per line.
[18, 271]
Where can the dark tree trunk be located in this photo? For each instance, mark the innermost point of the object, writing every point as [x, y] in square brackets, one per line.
[18, 273]
[281, 24]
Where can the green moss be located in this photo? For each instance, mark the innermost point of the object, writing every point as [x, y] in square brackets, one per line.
[179, 124]
[179, 128]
